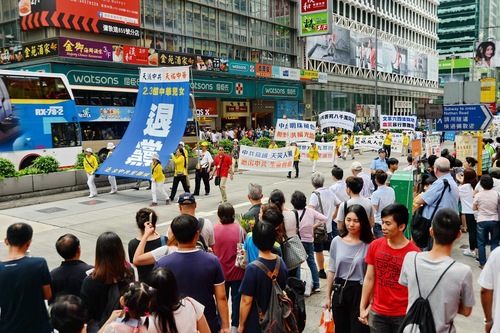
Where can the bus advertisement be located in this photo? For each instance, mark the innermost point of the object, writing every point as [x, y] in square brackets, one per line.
[38, 117]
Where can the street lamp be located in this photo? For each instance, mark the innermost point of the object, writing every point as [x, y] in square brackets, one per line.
[452, 64]
[376, 56]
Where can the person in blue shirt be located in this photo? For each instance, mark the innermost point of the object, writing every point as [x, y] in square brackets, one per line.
[380, 163]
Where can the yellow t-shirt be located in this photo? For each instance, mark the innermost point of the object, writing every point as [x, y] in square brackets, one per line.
[388, 139]
[273, 146]
[296, 154]
[314, 153]
[406, 140]
[179, 164]
[157, 173]
[90, 163]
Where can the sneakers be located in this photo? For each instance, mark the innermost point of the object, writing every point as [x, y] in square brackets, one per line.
[322, 274]
[153, 204]
[113, 192]
[317, 290]
[92, 195]
[168, 201]
[469, 253]
[288, 176]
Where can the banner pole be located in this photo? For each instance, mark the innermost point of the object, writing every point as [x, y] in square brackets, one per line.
[194, 111]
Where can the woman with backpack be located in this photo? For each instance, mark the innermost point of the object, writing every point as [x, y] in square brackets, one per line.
[180, 172]
[101, 290]
[346, 271]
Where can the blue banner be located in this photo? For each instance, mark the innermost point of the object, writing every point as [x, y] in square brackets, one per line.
[157, 125]
[449, 136]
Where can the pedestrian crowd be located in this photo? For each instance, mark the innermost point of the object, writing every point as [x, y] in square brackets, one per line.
[220, 277]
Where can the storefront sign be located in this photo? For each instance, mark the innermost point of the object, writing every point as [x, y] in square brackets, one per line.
[310, 76]
[89, 50]
[455, 63]
[39, 50]
[308, 6]
[210, 64]
[266, 160]
[488, 90]
[206, 108]
[289, 73]
[276, 90]
[235, 109]
[241, 68]
[98, 76]
[315, 24]
[224, 88]
[135, 55]
[175, 59]
[10, 55]
[322, 77]
[263, 70]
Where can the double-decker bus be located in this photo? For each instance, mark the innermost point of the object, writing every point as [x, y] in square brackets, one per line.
[38, 116]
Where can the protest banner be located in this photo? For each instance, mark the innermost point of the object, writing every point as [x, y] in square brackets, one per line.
[398, 122]
[294, 130]
[337, 119]
[266, 160]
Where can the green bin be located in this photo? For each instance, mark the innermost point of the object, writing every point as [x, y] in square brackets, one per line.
[402, 182]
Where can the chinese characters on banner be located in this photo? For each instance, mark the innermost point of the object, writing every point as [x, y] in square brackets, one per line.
[325, 151]
[398, 122]
[266, 160]
[433, 145]
[339, 119]
[163, 99]
[368, 142]
[294, 130]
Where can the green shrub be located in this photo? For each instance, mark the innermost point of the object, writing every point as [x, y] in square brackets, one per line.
[280, 144]
[227, 144]
[46, 164]
[28, 171]
[246, 142]
[330, 136]
[7, 168]
[263, 142]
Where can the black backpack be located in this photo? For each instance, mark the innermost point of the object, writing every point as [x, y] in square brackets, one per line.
[295, 289]
[419, 318]
[279, 317]
[200, 243]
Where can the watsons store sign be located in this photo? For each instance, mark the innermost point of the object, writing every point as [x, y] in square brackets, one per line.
[98, 76]
[279, 91]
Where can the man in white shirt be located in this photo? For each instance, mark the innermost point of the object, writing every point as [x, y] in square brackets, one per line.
[357, 171]
[205, 161]
[489, 280]
[381, 198]
[339, 187]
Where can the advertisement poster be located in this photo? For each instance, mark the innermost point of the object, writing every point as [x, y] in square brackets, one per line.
[487, 54]
[338, 119]
[119, 17]
[164, 92]
[266, 160]
[315, 18]
[294, 130]
[325, 151]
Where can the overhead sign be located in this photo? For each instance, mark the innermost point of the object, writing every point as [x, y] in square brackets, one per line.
[315, 18]
[164, 97]
[433, 111]
[466, 117]
[119, 18]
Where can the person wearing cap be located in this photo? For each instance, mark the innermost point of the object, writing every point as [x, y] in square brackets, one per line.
[313, 155]
[112, 179]
[273, 145]
[180, 172]
[296, 159]
[387, 143]
[379, 163]
[90, 165]
[205, 161]
[223, 167]
[368, 187]
[235, 154]
[157, 180]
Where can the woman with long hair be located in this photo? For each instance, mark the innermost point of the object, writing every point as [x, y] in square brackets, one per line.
[290, 224]
[180, 172]
[309, 219]
[147, 242]
[169, 312]
[347, 269]
[468, 182]
[228, 235]
[111, 270]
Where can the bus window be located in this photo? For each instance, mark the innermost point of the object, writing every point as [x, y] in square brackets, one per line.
[102, 130]
[65, 135]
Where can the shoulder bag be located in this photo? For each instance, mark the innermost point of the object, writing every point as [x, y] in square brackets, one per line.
[294, 253]
[240, 252]
[338, 289]
[320, 233]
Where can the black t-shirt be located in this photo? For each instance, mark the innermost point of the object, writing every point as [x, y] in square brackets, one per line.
[143, 271]
[21, 297]
[67, 279]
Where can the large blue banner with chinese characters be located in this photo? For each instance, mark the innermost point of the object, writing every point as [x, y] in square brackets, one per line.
[158, 123]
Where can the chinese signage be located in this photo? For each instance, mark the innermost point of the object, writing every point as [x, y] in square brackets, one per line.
[175, 59]
[39, 50]
[266, 160]
[315, 19]
[117, 17]
[223, 88]
[294, 130]
[338, 119]
[263, 70]
[398, 122]
[310, 76]
[98, 76]
[325, 151]
[369, 141]
[488, 90]
[164, 93]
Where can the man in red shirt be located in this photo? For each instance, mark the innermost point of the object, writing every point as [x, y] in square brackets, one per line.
[223, 165]
[385, 258]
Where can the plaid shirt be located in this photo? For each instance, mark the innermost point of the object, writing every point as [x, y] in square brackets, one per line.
[485, 160]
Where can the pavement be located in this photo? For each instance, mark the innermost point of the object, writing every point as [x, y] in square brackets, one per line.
[54, 215]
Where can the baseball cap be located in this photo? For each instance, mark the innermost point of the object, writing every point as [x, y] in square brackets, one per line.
[235, 140]
[204, 144]
[381, 150]
[181, 143]
[155, 157]
[356, 166]
[88, 150]
[186, 199]
[111, 145]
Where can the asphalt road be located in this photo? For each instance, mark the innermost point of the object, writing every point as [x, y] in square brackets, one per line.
[55, 215]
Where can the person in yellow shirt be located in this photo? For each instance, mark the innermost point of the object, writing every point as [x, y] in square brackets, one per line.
[90, 165]
[112, 179]
[406, 142]
[387, 143]
[180, 172]
[273, 145]
[338, 148]
[313, 155]
[296, 159]
[157, 180]
[186, 153]
[349, 146]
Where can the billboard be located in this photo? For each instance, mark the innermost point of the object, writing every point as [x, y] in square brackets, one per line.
[314, 18]
[486, 54]
[352, 48]
[119, 18]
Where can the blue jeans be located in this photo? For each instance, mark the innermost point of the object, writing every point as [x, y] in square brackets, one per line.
[487, 230]
[311, 262]
[235, 301]
[377, 231]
